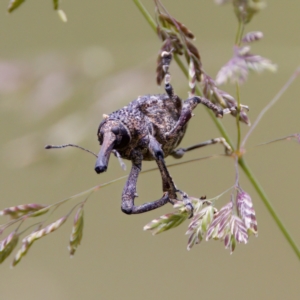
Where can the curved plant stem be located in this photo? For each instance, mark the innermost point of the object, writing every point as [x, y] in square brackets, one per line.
[268, 205]
[145, 13]
[239, 33]
[222, 130]
[238, 116]
[238, 39]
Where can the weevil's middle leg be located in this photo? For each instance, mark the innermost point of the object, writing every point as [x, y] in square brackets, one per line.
[188, 105]
[178, 153]
[186, 113]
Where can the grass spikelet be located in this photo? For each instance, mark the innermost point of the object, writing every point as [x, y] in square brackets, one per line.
[246, 211]
[167, 222]
[21, 252]
[36, 235]
[237, 68]
[45, 231]
[77, 231]
[177, 25]
[18, 211]
[219, 226]
[252, 37]
[236, 232]
[193, 49]
[7, 245]
[199, 224]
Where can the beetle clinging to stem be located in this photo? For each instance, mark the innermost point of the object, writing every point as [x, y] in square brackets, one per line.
[150, 128]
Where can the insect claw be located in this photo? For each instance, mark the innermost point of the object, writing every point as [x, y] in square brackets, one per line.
[190, 207]
[187, 203]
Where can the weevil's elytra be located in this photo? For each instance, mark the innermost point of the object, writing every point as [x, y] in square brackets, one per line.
[148, 128]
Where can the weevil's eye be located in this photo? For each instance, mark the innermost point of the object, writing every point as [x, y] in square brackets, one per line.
[115, 130]
[122, 135]
[119, 133]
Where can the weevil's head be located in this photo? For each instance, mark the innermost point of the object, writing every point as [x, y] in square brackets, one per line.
[112, 134]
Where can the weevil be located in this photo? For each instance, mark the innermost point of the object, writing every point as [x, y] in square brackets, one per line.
[151, 128]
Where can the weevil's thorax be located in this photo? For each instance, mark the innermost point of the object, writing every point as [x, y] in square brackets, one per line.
[149, 114]
[163, 114]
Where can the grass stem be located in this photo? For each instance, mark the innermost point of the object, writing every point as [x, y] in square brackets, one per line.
[223, 132]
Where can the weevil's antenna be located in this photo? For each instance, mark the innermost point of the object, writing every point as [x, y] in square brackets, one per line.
[116, 153]
[69, 145]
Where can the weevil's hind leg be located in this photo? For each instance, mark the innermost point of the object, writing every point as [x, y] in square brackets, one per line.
[129, 193]
[178, 153]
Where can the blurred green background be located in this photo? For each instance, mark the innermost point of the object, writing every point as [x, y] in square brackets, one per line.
[56, 81]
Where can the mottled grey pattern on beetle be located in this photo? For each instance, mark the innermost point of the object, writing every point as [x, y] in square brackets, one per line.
[150, 128]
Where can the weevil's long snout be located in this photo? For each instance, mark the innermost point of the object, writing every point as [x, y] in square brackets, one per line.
[108, 143]
[112, 134]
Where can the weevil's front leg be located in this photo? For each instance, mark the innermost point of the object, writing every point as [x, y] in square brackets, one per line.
[178, 153]
[166, 60]
[129, 192]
